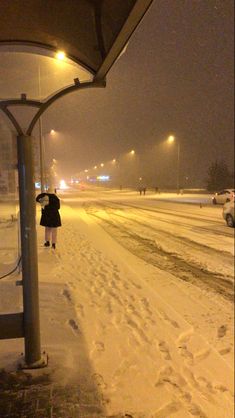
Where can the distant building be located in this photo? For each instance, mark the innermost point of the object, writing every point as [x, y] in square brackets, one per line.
[8, 160]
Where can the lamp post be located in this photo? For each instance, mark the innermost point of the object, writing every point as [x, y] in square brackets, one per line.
[172, 139]
[60, 56]
[41, 150]
[41, 145]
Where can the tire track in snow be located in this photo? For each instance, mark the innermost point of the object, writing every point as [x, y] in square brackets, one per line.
[148, 250]
[174, 214]
[112, 210]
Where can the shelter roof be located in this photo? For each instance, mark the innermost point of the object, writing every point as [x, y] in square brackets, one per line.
[92, 33]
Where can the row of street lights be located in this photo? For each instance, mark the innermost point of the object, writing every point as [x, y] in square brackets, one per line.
[171, 139]
[113, 161]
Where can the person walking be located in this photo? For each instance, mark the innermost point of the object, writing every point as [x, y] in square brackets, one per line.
[50, 217]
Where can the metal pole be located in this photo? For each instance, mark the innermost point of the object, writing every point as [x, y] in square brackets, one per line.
[41, 148]
[178, 168]
[29, 251]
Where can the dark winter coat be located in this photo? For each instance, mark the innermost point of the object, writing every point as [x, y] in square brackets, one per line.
[50, 213]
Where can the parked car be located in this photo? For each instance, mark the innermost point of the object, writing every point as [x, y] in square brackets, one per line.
[229, 213]
[223, 196]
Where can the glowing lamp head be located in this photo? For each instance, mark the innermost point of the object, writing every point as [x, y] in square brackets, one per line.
[132, 152]
[171, 138]
[60, 55]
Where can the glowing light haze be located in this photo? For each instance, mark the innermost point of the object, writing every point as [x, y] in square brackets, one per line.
[175, 78]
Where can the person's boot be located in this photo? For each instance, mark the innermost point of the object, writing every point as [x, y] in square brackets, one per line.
[53, 246]
[47, 244]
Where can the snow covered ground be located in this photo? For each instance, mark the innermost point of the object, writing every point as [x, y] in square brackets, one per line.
[140, 290]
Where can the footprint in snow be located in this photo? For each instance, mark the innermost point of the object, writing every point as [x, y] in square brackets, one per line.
[184, 352]
[222, 331]
[99, 345]
[67, 295]
[164, 350]
[74, 326]
[224, 351]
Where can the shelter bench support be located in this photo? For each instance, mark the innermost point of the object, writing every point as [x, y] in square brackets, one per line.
[11, 326]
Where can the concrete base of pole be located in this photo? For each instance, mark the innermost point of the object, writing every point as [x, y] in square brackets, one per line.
[43, 362]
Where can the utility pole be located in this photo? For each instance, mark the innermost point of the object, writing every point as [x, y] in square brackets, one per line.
[41, 144]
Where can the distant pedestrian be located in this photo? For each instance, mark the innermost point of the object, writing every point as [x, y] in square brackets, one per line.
[144, 190]
[50, 218]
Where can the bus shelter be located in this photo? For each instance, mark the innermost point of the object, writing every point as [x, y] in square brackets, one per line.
[88, 36]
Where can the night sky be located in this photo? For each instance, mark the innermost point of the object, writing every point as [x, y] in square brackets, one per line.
[175, 77]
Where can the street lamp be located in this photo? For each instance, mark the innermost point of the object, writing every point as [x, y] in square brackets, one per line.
[41, 153]
[60, 55]
[171, 139]
[53, 174]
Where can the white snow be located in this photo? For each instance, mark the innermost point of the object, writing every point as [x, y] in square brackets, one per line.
[129, 293]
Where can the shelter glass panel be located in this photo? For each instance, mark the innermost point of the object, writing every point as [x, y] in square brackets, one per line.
[36, 76]
[9, 207]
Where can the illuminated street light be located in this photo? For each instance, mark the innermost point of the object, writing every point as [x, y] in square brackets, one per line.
[95, 167]
[171, 139]
[86, 171]
[114, 161]
[53, 173]
[60, 55]
[132, 152]
[101, 165]
[42, 154]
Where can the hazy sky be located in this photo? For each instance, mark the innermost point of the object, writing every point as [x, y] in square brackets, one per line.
[175, 77]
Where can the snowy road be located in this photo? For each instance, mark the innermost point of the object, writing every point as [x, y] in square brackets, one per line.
[150, 282]
[159, 311]
[184, 240]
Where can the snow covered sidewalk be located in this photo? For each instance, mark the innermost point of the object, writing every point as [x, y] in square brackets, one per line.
[149, 345]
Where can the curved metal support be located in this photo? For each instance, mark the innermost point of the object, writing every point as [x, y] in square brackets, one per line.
[42, 106]
[19, 102]
[61, 93]
[12, 119]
